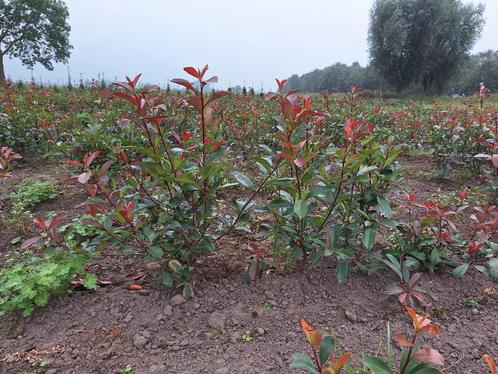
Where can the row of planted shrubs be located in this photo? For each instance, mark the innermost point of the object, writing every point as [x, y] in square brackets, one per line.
[322, 185]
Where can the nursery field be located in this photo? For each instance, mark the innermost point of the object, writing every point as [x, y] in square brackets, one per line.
[187, 230]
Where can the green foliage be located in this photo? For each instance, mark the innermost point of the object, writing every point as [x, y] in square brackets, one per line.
[422, 41]
[337, 78]
[29, 280]
[30, 193]
[478, 68]
[78, 230]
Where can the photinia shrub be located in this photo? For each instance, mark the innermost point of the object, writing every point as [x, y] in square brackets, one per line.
[431, 239]
[327, 193]
[160, 201]
[413, 359]
[322, 348]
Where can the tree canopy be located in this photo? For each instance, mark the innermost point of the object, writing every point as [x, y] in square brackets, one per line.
[337, 78]
[34, 31]
[479, 68]
[422, 41]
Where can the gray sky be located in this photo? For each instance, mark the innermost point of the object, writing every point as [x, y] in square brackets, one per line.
[252, 40]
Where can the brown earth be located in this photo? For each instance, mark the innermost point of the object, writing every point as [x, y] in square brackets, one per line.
[231, 327]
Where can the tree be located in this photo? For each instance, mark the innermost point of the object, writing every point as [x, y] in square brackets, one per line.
[479, 68]
[34, 31]
[422, 41]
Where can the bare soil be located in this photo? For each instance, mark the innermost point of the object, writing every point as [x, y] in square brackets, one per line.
[229, 326]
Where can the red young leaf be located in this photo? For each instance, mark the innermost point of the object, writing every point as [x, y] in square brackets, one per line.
[216, 95]
[123, 156]
[133, 83]
[300, 163]
[192, 71]
[429, 356]
[40, 223]
[348, 128]
[213, 79]
[184, 83]
[204, 69]
[105, 167]
[83, 178]
[403, 298]
[281, 83]
[403, 341]
[414, 280]
[338, 365]
[131, 98]
[74, 163]
[30, 242]
[92, 190]
[490, 362]
[90, 157]
[54, 222]
[431, 329]
[195, 101]
[216, 145]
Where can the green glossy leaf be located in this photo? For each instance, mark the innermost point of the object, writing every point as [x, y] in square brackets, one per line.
[301, 208]
[280, 203]
[493, 268]
[165, 279]
[368, 238]
[325, 347]
[377, 365]
[156, 252]
[264, 164]
[366, 169]
[460, 270]
[242, 179]
[423, 369]
[342, 271]
[384, 207]
[303, 361]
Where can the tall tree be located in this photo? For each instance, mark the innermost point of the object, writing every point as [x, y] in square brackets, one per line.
[34, 31]
[422, 41]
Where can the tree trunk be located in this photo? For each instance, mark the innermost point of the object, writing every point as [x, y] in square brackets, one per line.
[425, 83]
[428, 81]
[2, 71]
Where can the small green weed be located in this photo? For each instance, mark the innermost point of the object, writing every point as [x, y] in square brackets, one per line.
[472, 303]
[31, 193]
[246, 337]
[28, 280]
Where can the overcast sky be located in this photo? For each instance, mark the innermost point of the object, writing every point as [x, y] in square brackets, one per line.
[249, 41]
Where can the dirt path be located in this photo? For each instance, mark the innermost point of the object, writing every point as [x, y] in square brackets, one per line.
[229, 327]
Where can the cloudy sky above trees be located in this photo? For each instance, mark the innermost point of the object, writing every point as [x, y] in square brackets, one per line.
[247, 42]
